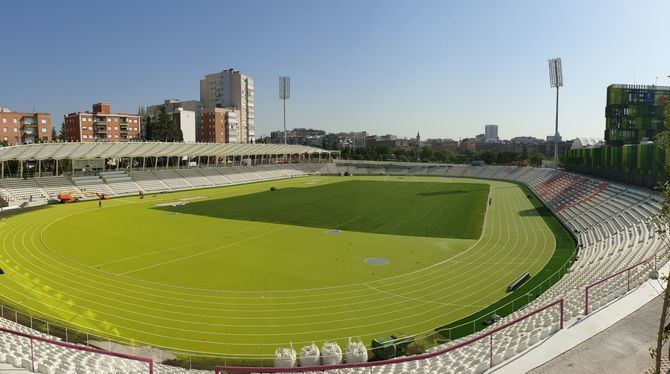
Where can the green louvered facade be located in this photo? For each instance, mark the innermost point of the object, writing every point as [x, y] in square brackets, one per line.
[640, 164]
[634, 115]
[634, 112]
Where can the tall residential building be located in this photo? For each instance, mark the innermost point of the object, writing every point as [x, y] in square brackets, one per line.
[221, 125]
[101, 126]
[491, 132]
[234, 91]
[186, 114]
[24, 128]
[634, 112]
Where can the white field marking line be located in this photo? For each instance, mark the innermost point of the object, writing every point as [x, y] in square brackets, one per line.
[200, 308]
[203, 252]
[175, 247]
[323, 288]
[422, 301]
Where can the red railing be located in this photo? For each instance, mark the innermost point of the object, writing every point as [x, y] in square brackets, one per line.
[651, 259]
[34, 338]
[489, 334]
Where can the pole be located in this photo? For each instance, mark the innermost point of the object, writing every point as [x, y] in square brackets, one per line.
[556, 132]
[285, 122]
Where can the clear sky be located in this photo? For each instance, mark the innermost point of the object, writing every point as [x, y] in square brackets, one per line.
[444, 68]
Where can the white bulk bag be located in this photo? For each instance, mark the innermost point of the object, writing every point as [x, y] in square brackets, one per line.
[310, 355]
[356, 353]
[331, 354]
[285, 358]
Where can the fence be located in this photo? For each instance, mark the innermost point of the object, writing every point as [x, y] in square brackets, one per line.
[467, 343]
[34, 338]
[631, 276]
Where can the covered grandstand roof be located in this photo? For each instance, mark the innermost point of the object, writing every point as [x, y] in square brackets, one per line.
[88, 151]
[584, 142]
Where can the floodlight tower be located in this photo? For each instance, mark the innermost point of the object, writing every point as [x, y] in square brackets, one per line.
[556, 80]
[284, 94]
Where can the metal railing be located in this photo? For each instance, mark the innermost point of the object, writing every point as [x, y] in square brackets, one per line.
[488, 334]
[66, 345]
[651, 262]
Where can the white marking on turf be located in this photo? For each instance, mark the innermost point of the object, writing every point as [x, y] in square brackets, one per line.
[201, 253]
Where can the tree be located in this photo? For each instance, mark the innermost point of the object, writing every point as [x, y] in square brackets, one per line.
[382, 151]
[524, 154]
[662, 223]
[426, 154]
[163, 128]
[4, 143]
[536, 158]
[54, 134]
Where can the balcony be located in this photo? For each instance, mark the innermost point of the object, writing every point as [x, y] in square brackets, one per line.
[99, 128]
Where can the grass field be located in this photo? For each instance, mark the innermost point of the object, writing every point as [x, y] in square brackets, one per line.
[238, 271]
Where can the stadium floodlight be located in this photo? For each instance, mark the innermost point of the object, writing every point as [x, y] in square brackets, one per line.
[556, 80]
[284, 94]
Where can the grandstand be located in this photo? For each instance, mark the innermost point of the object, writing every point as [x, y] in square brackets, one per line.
[618, 250]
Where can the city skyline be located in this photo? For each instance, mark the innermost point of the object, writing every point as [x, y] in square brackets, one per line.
[383, 67]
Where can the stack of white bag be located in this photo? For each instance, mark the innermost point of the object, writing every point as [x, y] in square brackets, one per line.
[310, 355]
[285, 358]
[331, 354]
[356, 352]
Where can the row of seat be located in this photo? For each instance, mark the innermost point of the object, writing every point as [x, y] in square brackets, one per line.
[119, 182]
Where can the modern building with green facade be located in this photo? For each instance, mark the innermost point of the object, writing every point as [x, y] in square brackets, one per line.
[634, 115]
[634, 112]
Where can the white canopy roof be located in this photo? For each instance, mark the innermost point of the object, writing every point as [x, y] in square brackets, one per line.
[88, 151]
[584, 142]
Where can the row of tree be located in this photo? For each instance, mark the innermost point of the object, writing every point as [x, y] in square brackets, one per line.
[428, 154]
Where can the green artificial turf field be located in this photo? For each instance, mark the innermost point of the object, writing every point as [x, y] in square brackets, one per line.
[239, 271]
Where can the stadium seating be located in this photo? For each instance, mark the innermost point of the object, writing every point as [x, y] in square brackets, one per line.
[214, 176]
[148, 181]
[23, 189]
[56, 184]
[610, 220]
[120, 182]
[92, 184]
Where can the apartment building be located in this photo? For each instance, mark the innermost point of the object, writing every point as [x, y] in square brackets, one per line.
[100, 125]
[234, 91]
[186, 114]
[24, 128]
[221, 125]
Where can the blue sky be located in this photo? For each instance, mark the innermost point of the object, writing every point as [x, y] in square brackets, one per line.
[444, 68]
